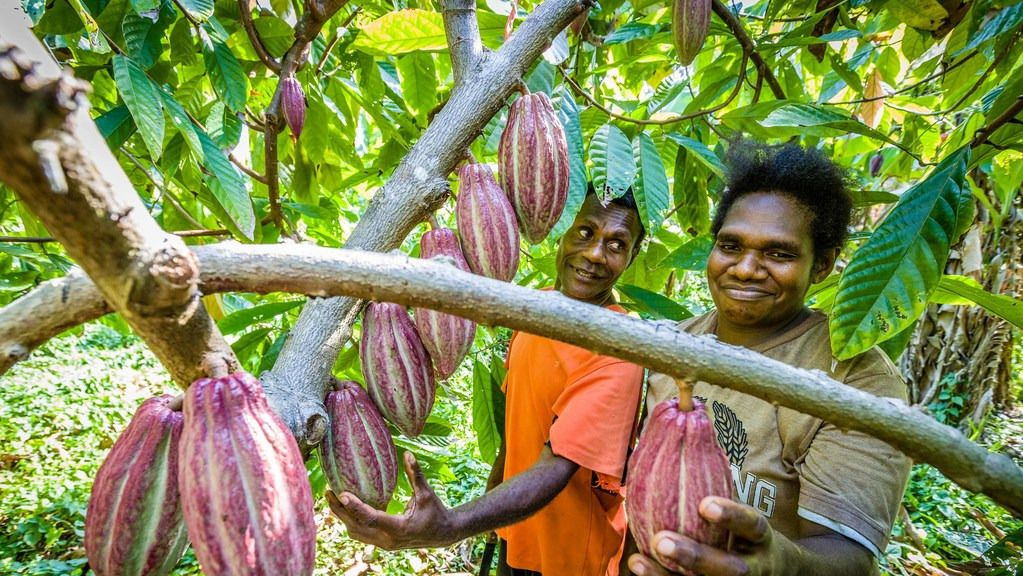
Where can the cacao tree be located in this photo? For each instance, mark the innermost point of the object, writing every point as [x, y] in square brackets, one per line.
[291, 124]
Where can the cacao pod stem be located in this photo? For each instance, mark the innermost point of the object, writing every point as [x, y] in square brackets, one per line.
[685, 394]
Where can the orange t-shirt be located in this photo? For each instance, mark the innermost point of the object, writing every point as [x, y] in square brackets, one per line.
[585, 406]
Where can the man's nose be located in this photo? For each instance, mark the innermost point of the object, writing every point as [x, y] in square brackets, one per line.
[594, 252]
[748, 265]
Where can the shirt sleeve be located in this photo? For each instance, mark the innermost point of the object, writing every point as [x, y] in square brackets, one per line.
[853, 483]
[596, 417]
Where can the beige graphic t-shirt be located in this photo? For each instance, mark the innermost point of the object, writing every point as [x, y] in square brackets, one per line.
[790, 465]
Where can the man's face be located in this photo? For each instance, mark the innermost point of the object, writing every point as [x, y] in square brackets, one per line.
[595, 251]
[762, 264]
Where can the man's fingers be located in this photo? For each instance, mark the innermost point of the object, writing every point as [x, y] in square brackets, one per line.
[742, 521]
[677, 553]
[643, 566]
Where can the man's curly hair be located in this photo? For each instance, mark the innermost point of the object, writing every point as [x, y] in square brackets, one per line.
[805, 175]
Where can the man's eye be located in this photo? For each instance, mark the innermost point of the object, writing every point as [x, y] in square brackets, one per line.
[616, 245]
[727, 247]
[781, 255]
[585, 233]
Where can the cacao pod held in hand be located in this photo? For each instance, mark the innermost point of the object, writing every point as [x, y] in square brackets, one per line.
[533, 162]
[357, 454]
[487, 227]
[133, 525]
[244, 489]
[676, 464]
[690, 22]
[396, 366]
[447, 337]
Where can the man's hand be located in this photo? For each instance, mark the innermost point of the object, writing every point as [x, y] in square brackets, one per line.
[426, 522]
[758, 550]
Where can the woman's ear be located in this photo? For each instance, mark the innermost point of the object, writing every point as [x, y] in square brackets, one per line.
[823, 264]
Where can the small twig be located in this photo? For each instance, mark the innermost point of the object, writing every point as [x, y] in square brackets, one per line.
[748, 47]
[253, 34]
[272, 178]
[432, 219]
[251, 173]
[915, 534]
[1004, 118]
[26, 239]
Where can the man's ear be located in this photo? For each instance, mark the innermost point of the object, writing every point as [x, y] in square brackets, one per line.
[823, 264]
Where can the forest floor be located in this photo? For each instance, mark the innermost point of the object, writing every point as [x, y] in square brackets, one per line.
[61, 410]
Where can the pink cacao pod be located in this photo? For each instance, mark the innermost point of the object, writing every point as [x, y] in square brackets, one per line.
[244, 489]
[396, 367]
[533, 162]
[293, 105]
[357, 454]
[690, 22]
[487, 227]
[676, 464]
[447, 337]
[133, 525]
[876, 161]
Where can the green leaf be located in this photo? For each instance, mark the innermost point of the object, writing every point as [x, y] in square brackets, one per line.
[651, 186]
[225, 128]
[954, 289]
[276, 34]
[59, 18]
[801, 115]
[142, 7]
[629, 32]
[242, 319]
[656, 305]
[418, 83]
[542, 78]
[568, 113]
[228, 188]
[18, 281]
[701, 152]
[184, 125]
[116, 126]
[614, 169]
[887, 284]
[484, 421]
[224, 71]
[143, 36]
[401, 32]
[922, 14]
[142, 98]
[690, 256]
[863, 198]
[197, 9]
[1007, 20]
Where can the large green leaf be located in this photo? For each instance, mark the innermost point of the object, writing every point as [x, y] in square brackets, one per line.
[802, 115]
[242, 319]
[954, 289]
[228, 188]
[418, 83]
[184, 125]
[690, 256]
[890, 278]
[276, 34]
[116, 126]
[614, 169]
[59, 18]
[568, 113]
[142, 98]
[1007, 19]
[225, 73]
[922, 14]
[654, 304]
[401, 32]
[197, 9]
[484, 411]
[700, 152]
[651, 185]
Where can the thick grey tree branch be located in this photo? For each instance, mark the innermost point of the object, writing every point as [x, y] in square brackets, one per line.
[329, 272]
[463, 37]
[54, 158]
[299, 379]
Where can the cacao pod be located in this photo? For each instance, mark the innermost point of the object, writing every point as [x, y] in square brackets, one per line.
[447, 337]
[690, 22]
[357, 454]
[676, 464]
[396, 366]
[133, 525]
[533, 162]
[244, 490]
[876, 161]
[487, 227]
[293, 105]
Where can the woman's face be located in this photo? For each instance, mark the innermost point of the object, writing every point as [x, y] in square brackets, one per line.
[762, 265]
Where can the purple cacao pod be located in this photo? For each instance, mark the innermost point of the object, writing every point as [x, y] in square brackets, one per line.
[676, 464]
[244, 490]
[357, 454]
[293, 105]
[487, 227]
[876, 161]
[133, 525]
[533, 162]
[447, 337]
[396, 367]
[690, 22]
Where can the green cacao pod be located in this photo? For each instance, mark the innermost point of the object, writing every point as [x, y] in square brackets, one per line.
[244, 489]
[133, 525]
[690, 22]
[396, 367]
[487, 227]
[447, 337]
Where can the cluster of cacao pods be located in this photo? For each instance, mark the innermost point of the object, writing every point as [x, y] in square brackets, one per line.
[676, 464]
[226, 467]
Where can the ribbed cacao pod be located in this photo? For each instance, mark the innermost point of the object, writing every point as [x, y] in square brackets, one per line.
[676, 464]
[876, 161]
[487, 226]
[244, 490]
[396, 367]
[357, 454]
[133, 525]
[690, 22]
[293, 105]
[533, 162]
[447, 337]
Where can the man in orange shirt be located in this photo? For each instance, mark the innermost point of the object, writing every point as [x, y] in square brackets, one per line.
[570, 416]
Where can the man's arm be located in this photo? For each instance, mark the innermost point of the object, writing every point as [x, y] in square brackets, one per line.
[427, 523]
[757, 549]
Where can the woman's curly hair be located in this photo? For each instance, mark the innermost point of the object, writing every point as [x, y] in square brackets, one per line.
[804, 174]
